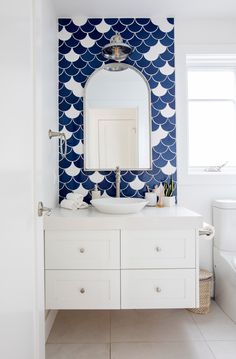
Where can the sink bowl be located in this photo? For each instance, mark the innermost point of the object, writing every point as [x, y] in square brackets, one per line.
[114, 205]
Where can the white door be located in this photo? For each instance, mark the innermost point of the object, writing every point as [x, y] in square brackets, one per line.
[113, 138]
[117, 143]
[27, 166]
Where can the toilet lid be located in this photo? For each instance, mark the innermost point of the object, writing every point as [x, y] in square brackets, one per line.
[224, 203]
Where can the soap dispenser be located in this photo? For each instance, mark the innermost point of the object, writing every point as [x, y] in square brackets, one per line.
[96, 193]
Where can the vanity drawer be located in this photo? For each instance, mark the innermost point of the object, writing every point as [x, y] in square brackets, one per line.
[163, 288]
[158, 249]
[82, 249]
[82, 289]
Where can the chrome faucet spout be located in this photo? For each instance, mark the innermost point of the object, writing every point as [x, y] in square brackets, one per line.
[117, 181]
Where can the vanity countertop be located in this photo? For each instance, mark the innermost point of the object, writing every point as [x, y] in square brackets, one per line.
[149, 218]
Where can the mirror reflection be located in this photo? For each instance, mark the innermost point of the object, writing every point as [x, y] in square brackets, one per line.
[117, 120]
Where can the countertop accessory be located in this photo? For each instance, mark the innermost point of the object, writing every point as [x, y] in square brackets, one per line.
[159, 190]
[169, 198]
[76, 197]
[68, 204]
[96, 193]
[74, 201]
[151, 197]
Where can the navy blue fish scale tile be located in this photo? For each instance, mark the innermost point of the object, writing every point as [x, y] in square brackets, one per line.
[80, 46]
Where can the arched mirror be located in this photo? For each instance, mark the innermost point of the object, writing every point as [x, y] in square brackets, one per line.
[117, 119]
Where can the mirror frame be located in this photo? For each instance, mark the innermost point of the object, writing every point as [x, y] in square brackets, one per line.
[85, 120]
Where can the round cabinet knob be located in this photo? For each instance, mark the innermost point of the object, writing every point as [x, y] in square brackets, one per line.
[158, 289]
[158, 249]
[82, 290]
[82, 250]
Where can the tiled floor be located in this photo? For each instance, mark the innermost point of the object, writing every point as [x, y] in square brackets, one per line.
[142, 334]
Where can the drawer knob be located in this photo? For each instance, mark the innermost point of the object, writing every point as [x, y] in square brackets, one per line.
[158, 289]
[158, 249]
[82, 290]
[82, 250]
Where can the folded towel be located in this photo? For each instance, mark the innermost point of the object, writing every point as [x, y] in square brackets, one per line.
[76, 197]
[82, 205]
[68, 204]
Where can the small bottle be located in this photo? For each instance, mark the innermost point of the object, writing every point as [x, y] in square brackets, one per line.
[161, 194]
[96, 193]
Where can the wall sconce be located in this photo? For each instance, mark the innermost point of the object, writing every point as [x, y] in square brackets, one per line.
[116, 50]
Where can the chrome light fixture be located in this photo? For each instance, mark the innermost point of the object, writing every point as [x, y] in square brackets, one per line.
[117, 50]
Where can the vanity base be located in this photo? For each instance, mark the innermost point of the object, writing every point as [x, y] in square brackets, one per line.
[109, 264]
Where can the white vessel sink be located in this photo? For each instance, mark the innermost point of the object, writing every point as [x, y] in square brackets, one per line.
[115, 205]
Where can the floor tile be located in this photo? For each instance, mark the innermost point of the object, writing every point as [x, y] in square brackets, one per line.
[223, 350]
[77, 351]
[72, 326]
[153, 326]
[161, 350]
[216, 325]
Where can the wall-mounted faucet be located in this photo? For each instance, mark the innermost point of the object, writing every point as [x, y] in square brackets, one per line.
[117, 181]
[62, 140]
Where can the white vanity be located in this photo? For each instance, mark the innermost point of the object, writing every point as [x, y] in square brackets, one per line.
[102, 261]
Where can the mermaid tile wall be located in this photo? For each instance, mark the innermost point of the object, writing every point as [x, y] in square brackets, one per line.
[80, 44]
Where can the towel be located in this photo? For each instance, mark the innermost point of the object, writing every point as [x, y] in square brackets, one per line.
[76, 197]
[68, 204]
[82, 205]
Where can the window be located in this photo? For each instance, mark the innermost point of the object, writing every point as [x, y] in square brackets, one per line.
[211, 111]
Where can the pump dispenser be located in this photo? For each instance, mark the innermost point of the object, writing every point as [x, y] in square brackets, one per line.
[96, 193]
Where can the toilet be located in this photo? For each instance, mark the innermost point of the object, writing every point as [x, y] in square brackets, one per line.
[224, 220]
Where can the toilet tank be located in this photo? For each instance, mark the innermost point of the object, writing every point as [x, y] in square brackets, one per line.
[224, 221]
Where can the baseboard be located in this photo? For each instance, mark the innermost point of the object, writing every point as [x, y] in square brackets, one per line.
[49, 321]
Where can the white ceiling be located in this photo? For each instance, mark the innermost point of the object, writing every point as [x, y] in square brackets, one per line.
[146, 8]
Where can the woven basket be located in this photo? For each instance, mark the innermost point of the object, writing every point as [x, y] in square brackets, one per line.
[205, 286]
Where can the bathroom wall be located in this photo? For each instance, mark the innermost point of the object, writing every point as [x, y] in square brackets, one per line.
[80, 44]
[199, 36]
[198, 191]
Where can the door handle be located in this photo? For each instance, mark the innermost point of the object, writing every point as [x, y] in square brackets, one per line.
[42, 210]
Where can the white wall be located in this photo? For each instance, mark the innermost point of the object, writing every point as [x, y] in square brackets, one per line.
[205, 31]
[17, 250]
[197, 191]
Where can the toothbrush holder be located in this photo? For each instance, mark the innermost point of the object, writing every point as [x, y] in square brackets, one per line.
[151, 197]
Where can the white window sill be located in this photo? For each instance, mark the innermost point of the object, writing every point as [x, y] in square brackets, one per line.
[201, 177]
[222, 172]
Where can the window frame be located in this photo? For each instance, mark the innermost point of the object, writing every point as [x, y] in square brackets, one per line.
[198, 175]
[211, 64]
